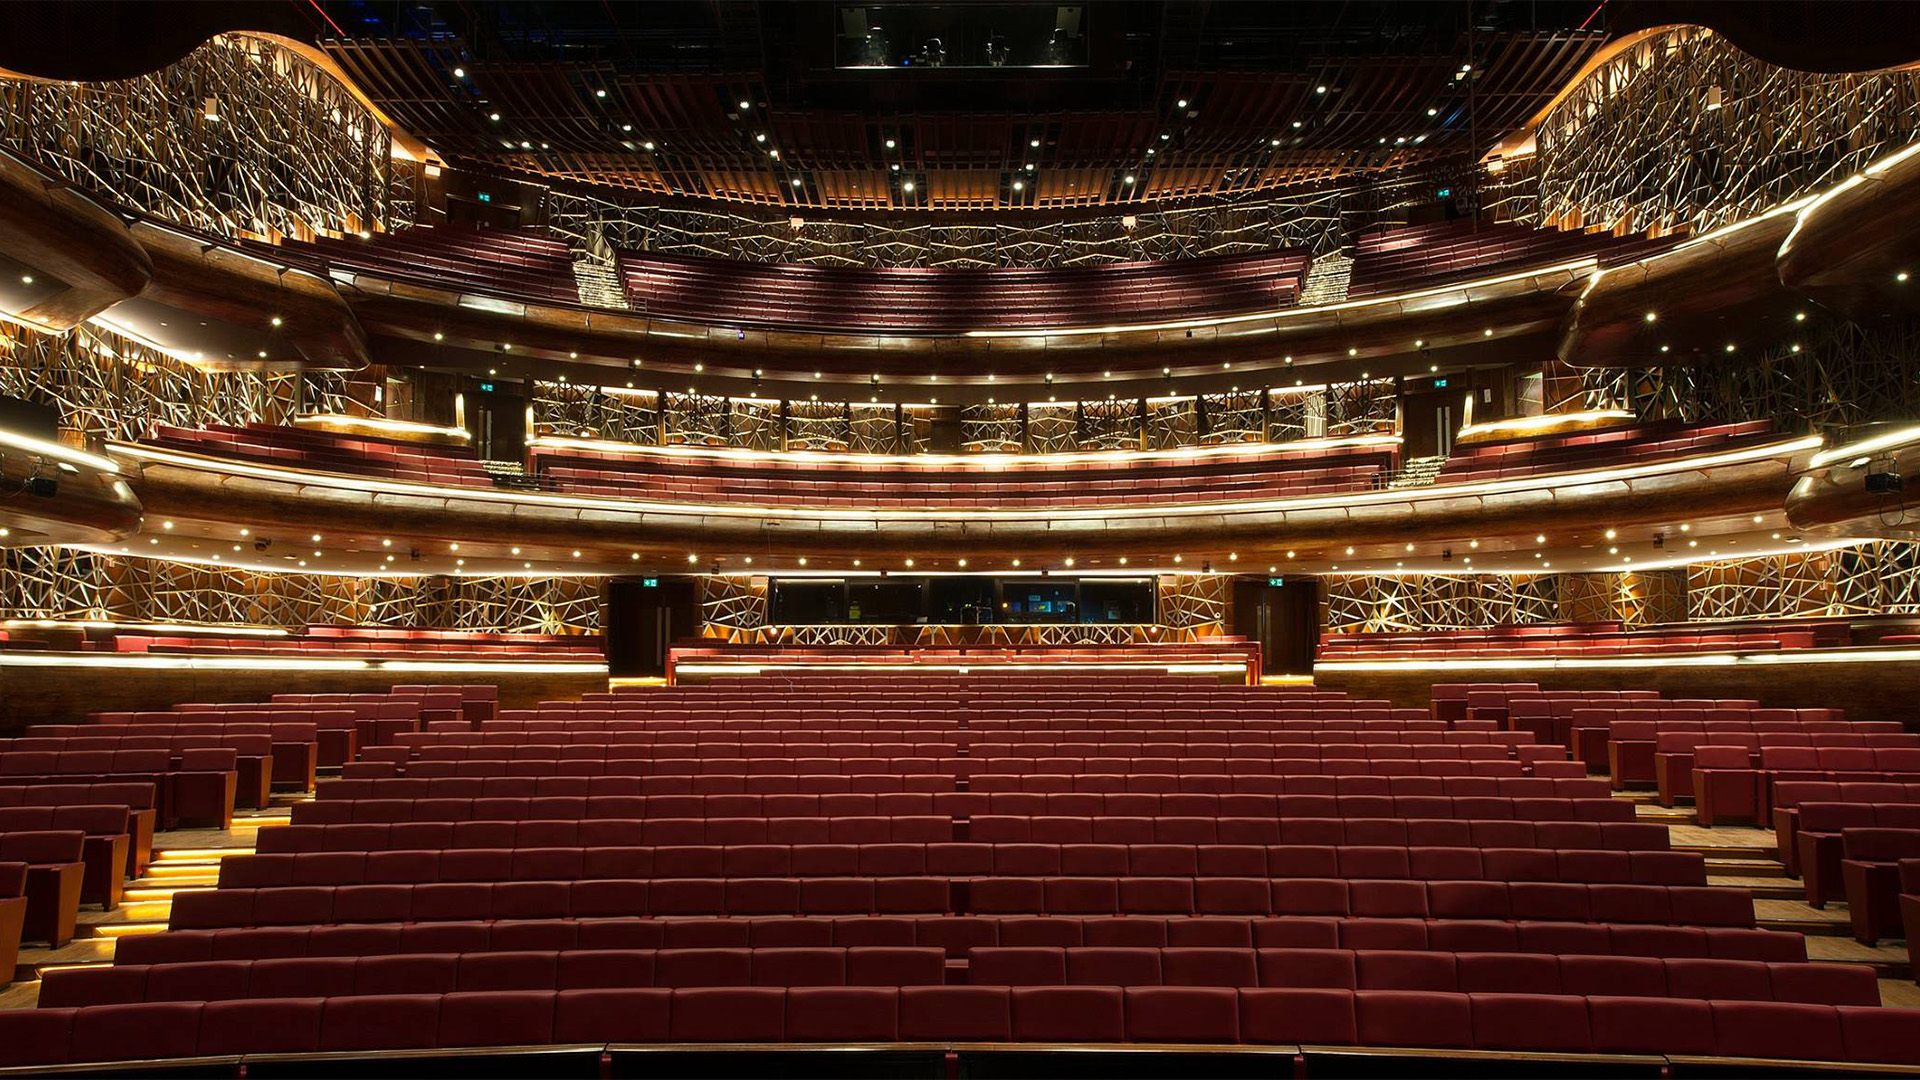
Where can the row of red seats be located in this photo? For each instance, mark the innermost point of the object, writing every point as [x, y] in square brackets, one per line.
[1790, 795]
[249, 758]
[138, 798]
[106, 840]
[1077, 1015]
[957, 934]
[1401, 258]
[499, 262]
[1870, 874]
[1626, 446]
[691, 480]
[1253, 863]
[1822, 847]
[1729, 785]
[1673, 753]
[581, 969]
[775, 296]
[192, 788]
[981, 829]
[1111, 807]
[465, 901]
[51, 868]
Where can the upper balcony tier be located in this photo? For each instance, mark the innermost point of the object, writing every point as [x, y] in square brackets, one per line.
[935, 302]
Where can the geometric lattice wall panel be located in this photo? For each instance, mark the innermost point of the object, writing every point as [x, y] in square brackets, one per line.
[517, 605]
[732, 602]
[291, 153]
[109, 387]
[1172, 424]
[1320, 221]
[51, 583]
[1832, 376]
[1740, 589]
[1361, 408]
[992, 429]
[1053, 429]
[1371, 604]
[1194, 605]
[597, 412]
[1368, 603]
[1879, 579]
[1637, 598]
[1644, 598]
[1684, 129]
[65, 583]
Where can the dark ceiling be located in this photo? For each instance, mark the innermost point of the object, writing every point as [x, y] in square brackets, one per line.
[791, 104]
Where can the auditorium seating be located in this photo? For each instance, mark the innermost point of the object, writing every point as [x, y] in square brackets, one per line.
[1870, 870]
[289, 447]
[137, 798]
[776, 296]
[1729, 785]
[1174, 851]
[103, 849]
[1407, 257]
[1584, 639]
[791, 966]
[769, 480]
[1910, 910]
[957, 934]
[921, 895]
[1819, 837]
[55, 870]
[1620, 447]
[512, 263]
[13, 916]
[194, 786]
[1086, 1015]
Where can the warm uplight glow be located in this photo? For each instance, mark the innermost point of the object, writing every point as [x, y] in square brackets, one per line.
[13, 440]
[379, 425]
[1522, 425]
[447, 494]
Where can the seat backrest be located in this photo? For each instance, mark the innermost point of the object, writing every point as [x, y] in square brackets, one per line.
[1722, 757]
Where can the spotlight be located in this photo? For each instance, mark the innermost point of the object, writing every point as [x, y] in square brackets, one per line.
[44, 487]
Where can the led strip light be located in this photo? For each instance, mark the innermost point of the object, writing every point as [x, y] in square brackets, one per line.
[149, 662]
[1577, 663]
[987, 460]
[1572, 266]
[1045, 514]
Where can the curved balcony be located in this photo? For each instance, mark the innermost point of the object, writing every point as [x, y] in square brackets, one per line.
[53, 494]
[660, 528]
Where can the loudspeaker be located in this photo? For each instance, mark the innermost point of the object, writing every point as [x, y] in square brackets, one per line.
[1882, 483]
[43, 486]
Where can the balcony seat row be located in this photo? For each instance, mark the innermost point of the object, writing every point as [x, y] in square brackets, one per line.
[773, 296]
[981, 829]
[1247, 864]
[1345, 969]
[1640, 444]
[465, 901]
[507, 263]
[1086, 1016]
[1407, 257]
[958, 934]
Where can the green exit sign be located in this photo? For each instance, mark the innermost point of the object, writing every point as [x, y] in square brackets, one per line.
[1276, 582]
[486, 196]
[649, 582]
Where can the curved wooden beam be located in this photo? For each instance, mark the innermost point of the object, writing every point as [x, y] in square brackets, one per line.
[92, 503]
[228, 303]
[612, 530]
[1856, 249]
[81, 254]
